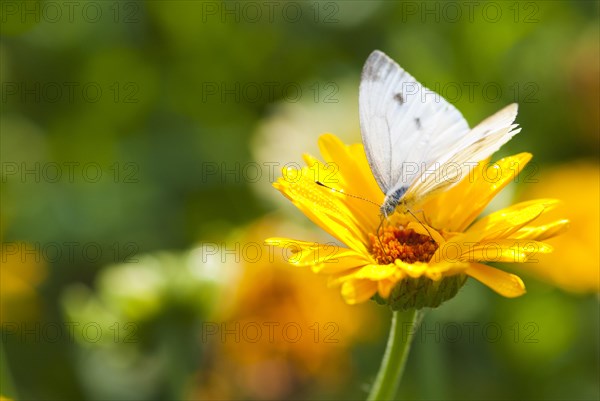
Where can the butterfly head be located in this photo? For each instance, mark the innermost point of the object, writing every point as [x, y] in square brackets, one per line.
[397, 200]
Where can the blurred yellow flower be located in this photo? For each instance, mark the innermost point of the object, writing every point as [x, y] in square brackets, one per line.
[279, 334]
[575, 265]
[21, 269]
[422, 272]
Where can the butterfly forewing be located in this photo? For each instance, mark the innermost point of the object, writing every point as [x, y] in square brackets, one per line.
[403, 124]
[414, 138]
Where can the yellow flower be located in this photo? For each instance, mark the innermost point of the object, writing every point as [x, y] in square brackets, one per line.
[284, 341]
[575, 266]
[413, 262]
[22, 269]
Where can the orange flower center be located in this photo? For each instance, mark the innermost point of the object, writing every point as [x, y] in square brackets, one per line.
[399, 243]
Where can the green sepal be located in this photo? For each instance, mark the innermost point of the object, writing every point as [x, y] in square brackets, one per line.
[422, 292]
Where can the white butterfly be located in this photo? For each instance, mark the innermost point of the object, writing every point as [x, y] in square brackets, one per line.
[416, 142]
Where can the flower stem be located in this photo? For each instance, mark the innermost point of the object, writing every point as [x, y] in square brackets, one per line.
[404, 325]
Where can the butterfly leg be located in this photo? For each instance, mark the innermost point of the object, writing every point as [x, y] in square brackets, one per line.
[382, 218]
[423, 216]
[420, 222]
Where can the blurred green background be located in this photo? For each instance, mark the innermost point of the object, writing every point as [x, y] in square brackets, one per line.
[138, 144]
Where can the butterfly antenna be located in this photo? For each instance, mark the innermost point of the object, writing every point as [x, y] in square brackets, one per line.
[424, 226]
[344, 193]
[366, 200]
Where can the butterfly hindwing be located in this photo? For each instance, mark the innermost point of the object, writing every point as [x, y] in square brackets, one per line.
[477, 145]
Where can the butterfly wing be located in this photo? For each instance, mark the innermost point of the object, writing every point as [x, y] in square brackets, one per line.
[478, 144]
[403, 124]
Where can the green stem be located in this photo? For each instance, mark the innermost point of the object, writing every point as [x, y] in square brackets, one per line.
[404, 325]
[7, 386]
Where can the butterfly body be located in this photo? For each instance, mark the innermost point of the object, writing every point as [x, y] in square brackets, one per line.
[392, 201]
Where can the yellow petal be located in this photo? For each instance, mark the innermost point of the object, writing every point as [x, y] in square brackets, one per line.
[425, 229]
[357, 291]
[503, 223]
[322, 258]
[375, 272]
[488, 186]
[542, 232]
[413, 270]
[437, 270]
[339, 278]
[369, 272]
[310, 160]
[385, 287]
[456, 208]
[353, 166]
[503, 283]
[352, 175]
[508, 250]
[327, 211]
